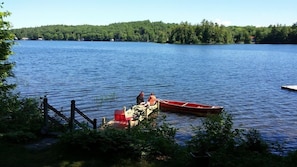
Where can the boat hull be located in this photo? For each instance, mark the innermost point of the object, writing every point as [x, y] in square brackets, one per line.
[201, 110]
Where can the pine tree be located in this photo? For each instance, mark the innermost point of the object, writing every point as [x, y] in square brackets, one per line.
[6, 42]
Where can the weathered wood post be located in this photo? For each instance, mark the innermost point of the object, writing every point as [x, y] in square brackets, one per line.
[103, 121]
[45, 113]
[129, 125]
[95, 123]
[72, 115]
[145, 112]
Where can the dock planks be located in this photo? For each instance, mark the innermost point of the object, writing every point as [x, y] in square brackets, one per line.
[290, 87]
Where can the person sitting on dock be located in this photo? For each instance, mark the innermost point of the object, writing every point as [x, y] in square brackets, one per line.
[152, 100]
[140, 98]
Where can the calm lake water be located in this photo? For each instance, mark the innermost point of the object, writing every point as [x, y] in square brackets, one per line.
[105, 76]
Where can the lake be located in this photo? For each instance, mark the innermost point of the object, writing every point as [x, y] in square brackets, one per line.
[105, 76]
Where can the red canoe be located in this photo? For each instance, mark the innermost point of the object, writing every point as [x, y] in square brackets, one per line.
[189, 108]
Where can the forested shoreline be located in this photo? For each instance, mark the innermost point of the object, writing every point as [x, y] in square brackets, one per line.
[206, 32]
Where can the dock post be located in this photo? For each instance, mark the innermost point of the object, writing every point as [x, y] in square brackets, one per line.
[145, 112]
[72, 115]
[45, 113]
[95, 123]
[103, 121]
[129, 125]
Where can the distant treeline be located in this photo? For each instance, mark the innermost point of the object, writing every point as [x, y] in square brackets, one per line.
[206, 32]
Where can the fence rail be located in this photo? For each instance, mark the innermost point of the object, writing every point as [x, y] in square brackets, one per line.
[71, 121]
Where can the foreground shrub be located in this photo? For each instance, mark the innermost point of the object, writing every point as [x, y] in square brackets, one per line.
[215, 133]
[253, 142]
[291, 158]
[148, 141]
[19, 116]
[103, 142]
[156, 138]
[223, 145]
[19, 137]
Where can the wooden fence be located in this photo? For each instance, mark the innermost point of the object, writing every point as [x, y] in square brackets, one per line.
[71, 121]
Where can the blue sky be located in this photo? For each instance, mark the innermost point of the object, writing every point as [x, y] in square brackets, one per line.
[32, 13]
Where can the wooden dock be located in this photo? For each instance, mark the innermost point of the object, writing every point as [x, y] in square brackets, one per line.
[290, 87]
[131, 117]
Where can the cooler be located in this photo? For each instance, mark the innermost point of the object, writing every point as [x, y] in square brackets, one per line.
[119, 115]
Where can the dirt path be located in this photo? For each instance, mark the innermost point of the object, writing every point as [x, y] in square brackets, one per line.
[42, 144]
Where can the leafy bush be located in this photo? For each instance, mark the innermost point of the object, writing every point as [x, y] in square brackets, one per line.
[104, 142]
[19, 137]
[254, 142]
[215, 133]
[19, 115]
[148, 140]
[291, 158]
[225, 144]
[157, 138]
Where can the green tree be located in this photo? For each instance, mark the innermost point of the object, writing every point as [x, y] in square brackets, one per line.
[293, 34]
[260, 34]
[6, 42]
[278, 34]
[206, 32]
[183, 34]
[19, 118]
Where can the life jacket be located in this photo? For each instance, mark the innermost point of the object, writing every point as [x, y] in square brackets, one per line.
[152, 100]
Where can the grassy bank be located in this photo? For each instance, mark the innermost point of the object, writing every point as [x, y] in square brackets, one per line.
[14, 155]
[17, 155]
[215, 143]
